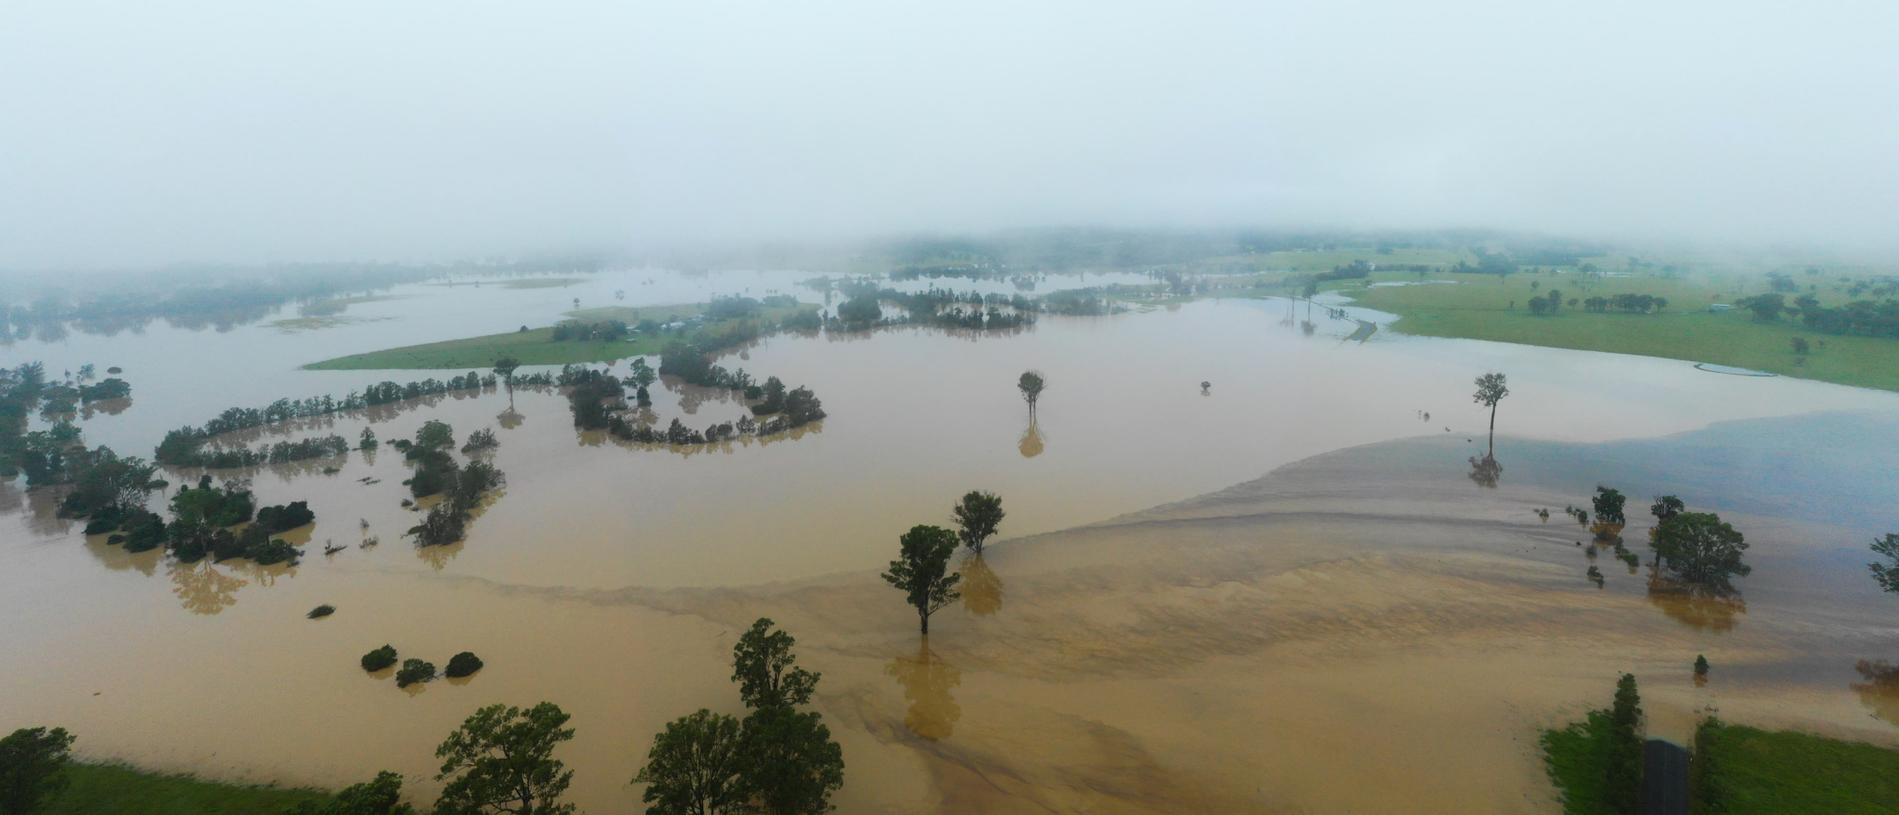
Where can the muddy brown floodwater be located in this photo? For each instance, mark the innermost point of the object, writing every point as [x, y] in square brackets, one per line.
[1309, 641]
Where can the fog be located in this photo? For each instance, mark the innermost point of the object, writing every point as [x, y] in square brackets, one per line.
[137, 134]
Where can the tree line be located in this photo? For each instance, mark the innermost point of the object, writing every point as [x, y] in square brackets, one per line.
[184, 447]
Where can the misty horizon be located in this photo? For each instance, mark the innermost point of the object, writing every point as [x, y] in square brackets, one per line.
[144, 137]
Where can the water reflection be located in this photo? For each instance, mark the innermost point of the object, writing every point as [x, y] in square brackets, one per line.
[926, 681]
[510, 419]
[982, 589]
[203, 588]
[439, 556]
[1486, 472]
[1031, 442]
[1880, 692]
[1697, 608]
[117, 559]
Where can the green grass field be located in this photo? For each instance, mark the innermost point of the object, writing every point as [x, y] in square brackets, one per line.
[532, 347]
[1479, 307]
[1788, 773]
[1753, 772]
[103, 789]
[1577, 759]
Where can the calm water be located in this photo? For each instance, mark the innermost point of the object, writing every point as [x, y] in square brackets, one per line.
[132, 650]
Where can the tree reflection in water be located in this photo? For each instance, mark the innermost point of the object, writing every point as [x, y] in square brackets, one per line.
[1880, 692]
[926, 682]
[982, 589]
[1031, 443]
[202, 587]
[510, 419]
[1698, 607]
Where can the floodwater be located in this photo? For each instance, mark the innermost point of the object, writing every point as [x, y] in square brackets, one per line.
[1303, 642]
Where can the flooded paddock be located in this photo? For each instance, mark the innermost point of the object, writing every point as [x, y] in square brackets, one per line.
[1147, 636]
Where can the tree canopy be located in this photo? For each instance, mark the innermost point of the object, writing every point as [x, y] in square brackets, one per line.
[1701, 550]
[765, 670]
[922, 572]
[696, 767]
[501, 760]
[977, 517]
[32, 764]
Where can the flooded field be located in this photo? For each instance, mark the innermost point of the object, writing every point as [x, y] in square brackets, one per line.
[1147, 636]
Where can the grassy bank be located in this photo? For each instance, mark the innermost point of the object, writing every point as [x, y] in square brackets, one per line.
[104, 788]
[1480, 307]
[1739, 771]
[534, 346]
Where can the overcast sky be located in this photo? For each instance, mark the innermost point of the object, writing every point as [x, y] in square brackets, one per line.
[134, 134]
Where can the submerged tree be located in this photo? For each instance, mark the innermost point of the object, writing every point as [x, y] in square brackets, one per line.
[977, 517]
[32, 767]
[1491, 390]
[501, 760]
[922, 572]
[766, 670]
[1701, 550]
[1031, 385]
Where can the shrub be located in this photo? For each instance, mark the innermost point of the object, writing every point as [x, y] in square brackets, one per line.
[379, 659]
[324, 610]
[413, 671]
[462, 664]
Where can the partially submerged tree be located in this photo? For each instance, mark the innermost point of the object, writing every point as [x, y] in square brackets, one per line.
[501, 760]
[922, 572]
[977, 517]
[1031, 385]
[504, 371]
[32, 768]
[765, 669]
[1491, 389]
[1700, 550]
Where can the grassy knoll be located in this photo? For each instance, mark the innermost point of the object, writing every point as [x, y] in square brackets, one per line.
[106, 788]
[1479, 307]
[1738, 771]
[536, 345]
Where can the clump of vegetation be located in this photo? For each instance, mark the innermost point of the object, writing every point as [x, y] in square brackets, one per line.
[218, 506]
[483, 439]
[184, 447]
[32, 767]
[1701, 665]
[321, 611]
[414, 671]
[1597, 762]
[379, 658]
[1698, 550]
[462, 664]
[1595, 576]
[285, 517]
